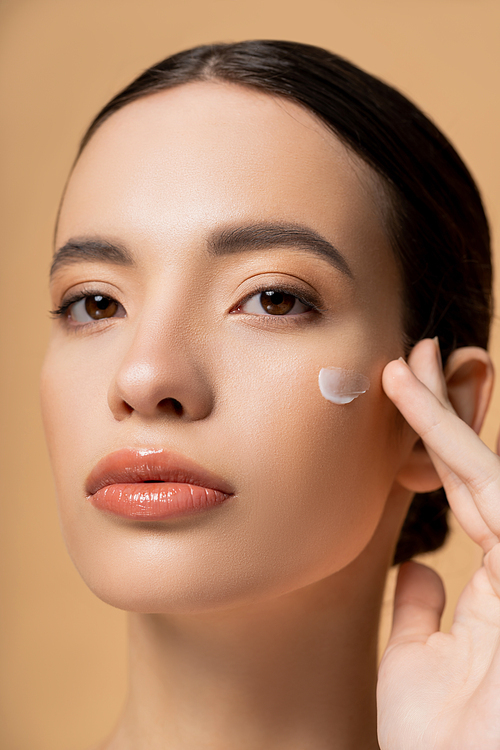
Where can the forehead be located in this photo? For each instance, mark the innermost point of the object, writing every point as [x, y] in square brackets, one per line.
[179, 163]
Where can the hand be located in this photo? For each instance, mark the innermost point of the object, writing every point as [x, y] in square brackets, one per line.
[441, 691]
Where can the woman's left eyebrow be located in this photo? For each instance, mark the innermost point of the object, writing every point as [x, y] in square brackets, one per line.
[265, 235]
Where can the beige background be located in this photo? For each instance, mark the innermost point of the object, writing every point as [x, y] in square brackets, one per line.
[63, 671]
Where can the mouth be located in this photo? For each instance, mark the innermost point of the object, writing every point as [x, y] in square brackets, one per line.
[153, 484]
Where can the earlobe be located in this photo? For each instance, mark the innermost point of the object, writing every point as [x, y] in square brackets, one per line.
[467, 385]
[418, 473]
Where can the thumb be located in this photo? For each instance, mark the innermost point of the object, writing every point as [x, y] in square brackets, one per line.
[418, 604]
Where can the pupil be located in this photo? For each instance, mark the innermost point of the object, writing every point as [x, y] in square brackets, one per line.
[98, 307]
[101, 302]
[277, 303]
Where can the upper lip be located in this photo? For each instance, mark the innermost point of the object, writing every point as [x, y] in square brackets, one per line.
[131, 465]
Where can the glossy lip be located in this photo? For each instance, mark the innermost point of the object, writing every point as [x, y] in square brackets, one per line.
[153, 484]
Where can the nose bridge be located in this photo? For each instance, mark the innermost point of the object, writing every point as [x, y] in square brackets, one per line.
[162, 370]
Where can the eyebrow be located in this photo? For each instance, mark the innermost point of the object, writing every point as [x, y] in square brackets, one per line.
[221, 242]
[78, 251]
[265, 235]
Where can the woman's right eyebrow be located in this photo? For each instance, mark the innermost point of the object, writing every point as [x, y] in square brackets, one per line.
[82, 250]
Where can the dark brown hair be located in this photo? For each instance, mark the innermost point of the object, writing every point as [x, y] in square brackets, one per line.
[438, 228]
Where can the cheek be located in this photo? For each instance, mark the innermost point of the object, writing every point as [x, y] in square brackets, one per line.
[307, 465]
[73, 398]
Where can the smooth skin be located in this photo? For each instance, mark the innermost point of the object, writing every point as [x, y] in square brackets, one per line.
[253, 625]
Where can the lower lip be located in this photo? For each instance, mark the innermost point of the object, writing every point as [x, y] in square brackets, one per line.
[156, 501]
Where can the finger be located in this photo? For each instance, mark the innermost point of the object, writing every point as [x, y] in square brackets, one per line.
[418, 604]
[465, 457]
[425, 362]
[453, 441]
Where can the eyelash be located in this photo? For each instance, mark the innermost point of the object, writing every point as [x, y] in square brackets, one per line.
[62, 310]
[308, 299]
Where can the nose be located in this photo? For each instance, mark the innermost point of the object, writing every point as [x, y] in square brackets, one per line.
[160, 375]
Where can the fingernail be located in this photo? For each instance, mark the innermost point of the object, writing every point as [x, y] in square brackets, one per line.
[401, 359]
[438, 349]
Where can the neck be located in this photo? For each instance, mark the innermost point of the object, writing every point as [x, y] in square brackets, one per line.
[287, 673]
[293, 672]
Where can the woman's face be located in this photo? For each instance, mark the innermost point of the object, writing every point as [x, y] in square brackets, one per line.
[184, 209]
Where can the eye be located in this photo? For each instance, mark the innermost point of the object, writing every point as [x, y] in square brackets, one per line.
[90, 307]
[274, 302]
[95, 307]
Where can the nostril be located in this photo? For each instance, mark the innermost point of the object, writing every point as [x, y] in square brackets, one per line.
[171, 404]
[177, 407]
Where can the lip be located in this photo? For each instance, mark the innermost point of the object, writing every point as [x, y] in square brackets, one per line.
[153, 484]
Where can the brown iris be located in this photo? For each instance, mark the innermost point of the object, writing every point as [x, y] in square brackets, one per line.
[277, 303]
[98, 307]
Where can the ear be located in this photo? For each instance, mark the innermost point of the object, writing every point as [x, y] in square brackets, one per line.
[469, 379]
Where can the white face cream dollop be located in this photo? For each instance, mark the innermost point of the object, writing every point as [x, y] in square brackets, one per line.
[342, 386]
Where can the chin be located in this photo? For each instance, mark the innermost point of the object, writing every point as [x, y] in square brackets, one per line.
[137, 578]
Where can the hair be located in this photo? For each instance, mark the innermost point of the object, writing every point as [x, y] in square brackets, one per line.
[437, 224]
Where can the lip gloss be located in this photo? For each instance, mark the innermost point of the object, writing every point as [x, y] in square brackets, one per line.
[153, 484]
[155, 501]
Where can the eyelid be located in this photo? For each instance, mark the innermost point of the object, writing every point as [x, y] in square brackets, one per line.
[79, 284]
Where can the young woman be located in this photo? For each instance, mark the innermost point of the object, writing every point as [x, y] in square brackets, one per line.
[243, 224]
